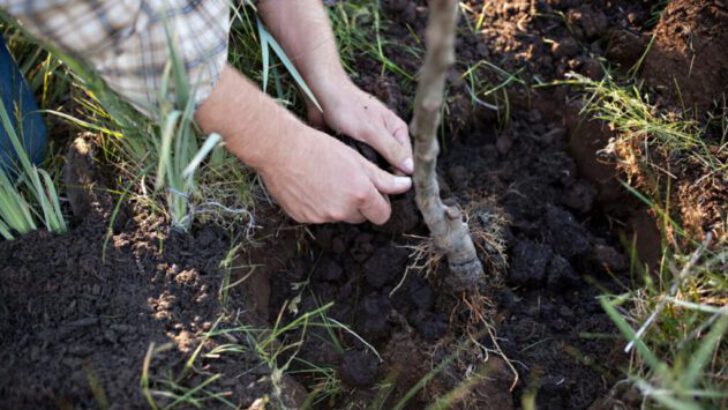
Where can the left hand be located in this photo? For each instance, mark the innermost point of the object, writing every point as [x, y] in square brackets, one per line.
[351, 111]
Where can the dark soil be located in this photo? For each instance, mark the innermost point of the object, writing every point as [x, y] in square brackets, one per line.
[548, 320]
[688, 62]
[72, 320]
[77, 321]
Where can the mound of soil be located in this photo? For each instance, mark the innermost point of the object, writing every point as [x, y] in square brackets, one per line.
[78, 316]
[688, 61]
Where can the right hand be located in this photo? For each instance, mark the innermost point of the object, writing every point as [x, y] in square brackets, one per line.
[314, 177]
[318, 179]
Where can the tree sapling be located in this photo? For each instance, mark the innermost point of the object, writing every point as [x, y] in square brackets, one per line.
[449, 232]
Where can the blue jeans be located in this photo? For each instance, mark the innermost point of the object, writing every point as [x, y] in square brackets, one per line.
[21, 107]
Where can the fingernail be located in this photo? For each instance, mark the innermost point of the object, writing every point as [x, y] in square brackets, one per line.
[403, 182]
[408, 166]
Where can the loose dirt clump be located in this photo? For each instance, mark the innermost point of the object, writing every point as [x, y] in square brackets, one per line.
[687, 61]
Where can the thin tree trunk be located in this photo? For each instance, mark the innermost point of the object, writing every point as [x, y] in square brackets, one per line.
[449, 232]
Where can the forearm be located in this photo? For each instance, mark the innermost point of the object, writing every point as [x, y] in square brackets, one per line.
[253, 126]
[303, 29]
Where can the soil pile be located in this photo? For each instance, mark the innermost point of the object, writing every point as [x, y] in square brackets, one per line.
[78, 317]
[688, 61]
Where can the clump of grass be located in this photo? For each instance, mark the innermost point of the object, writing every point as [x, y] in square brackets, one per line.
[31, 197]
[628, 110]
[679, 357]
[357, 26]
[276, 348]
[481, 88]
[674, 318]
[671, 156]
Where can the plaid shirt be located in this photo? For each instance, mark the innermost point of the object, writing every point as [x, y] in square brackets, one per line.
[126, 43]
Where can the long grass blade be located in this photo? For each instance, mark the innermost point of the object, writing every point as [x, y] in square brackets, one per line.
[704, 352]
[266, 38]
[165, 150]
[264, 53]
[5, 231]
[210, 143]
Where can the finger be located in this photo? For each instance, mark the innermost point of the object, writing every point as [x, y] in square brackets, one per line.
[397, 127]
[315, 117]
[356, 219]
[400, 131]
[402, 135]
[385, 182]
[389, 147]
[376, 209]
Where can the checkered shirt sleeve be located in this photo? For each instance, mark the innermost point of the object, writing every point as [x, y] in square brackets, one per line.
[125, 41]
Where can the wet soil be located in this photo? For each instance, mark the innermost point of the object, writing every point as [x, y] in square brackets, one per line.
[79, 317]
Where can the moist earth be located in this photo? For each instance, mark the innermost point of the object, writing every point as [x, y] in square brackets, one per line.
[80, 312]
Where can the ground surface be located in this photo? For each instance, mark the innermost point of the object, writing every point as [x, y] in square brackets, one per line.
[77, 322]
[70, 317]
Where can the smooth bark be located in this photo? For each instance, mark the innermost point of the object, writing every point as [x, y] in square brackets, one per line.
[449, 232]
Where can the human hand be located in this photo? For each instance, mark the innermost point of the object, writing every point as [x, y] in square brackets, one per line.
[349, 110]
[318, 179]
[314, 177]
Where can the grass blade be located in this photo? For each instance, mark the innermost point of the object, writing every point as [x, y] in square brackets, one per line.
[704, 352]
[165, 150]
[267, 39]
[207, 147]
[264, 53]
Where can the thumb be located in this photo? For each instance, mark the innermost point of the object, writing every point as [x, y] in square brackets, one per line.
[385, 182]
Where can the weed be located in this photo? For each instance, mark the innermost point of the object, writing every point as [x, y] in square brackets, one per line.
[675, 319]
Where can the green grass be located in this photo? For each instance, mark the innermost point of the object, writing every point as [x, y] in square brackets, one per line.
[358, 26]
[31, 197]
[673, 316]
[628, 110]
